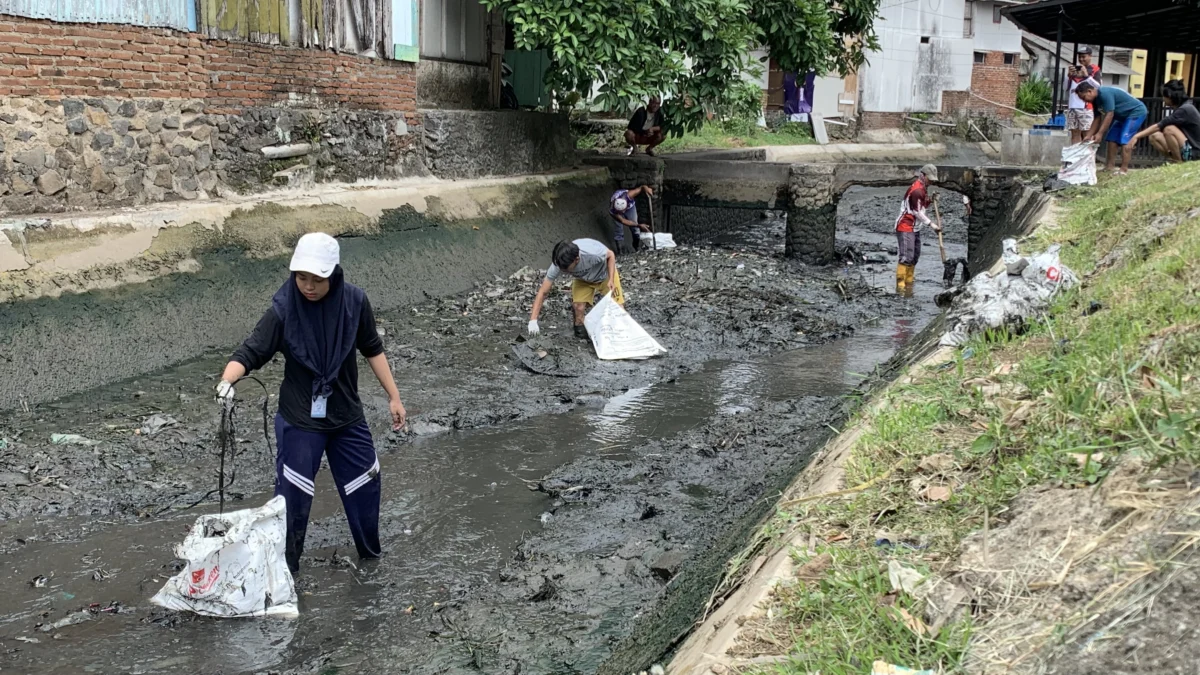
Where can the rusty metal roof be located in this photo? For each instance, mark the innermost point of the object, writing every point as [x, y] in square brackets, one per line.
[1140, 24]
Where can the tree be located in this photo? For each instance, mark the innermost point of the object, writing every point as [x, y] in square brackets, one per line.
[640, 48]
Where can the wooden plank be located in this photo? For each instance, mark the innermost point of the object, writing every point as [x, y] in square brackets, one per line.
[818, 124]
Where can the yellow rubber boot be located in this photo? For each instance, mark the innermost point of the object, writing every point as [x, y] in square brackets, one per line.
[901, 278]
[909, 280]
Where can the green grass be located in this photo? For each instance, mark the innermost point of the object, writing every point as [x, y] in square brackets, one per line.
[1120, 381]
[851, 619]
[717, 136]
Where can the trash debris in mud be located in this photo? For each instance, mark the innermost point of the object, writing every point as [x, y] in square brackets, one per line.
[14, 479]
[102, 575]
[39, 581]
[1007, 299]
[71, 439]
[69, 620]
[548, 591]
[156, 423]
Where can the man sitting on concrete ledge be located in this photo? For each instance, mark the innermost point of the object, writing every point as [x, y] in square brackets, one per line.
[1177, 136]
[594, 268]
[645, 127]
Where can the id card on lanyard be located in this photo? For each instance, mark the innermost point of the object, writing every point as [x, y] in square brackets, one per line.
[318, 407]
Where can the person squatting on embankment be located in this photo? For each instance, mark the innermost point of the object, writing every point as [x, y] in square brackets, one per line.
[1177, 136]
[908, 228]
[317, 320]
[594, 268]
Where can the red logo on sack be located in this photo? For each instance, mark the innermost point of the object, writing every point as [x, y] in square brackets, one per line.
[1052, 274]
[201, 583]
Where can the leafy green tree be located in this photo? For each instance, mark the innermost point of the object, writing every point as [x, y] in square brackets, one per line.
[690, 50]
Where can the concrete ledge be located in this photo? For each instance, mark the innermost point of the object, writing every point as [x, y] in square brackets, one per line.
[840, 152]
[46, 256]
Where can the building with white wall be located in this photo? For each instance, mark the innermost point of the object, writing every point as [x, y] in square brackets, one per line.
[940, 56]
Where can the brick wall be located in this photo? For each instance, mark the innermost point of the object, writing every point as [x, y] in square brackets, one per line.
[993, 80]
[101, 116]
[47, 59]
[880, 120]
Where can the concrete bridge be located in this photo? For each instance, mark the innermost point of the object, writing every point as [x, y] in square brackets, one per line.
[699, 196]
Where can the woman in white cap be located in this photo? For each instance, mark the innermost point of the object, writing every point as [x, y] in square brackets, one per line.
[318, 320]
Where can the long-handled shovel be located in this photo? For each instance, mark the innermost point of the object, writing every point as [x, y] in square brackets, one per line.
[949, 267]
[650, 199]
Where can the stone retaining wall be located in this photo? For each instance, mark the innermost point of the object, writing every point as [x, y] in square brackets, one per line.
[469, 144]
[110, 115]
[84, 153]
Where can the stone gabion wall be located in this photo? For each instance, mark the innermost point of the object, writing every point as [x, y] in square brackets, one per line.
[470, 143]
[109, 152]
[812, 215]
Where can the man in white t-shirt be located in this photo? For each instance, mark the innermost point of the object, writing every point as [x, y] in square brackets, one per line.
[1079, 111]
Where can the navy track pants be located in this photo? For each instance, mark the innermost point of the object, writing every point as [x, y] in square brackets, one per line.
[355, 468]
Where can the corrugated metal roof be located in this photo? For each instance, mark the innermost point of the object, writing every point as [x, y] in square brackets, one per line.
[179, 14]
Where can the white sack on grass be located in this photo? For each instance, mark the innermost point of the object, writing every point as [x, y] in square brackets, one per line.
[235, 566]
[615, 334]
[663, 239]
[1007, 300]
[1078, 164]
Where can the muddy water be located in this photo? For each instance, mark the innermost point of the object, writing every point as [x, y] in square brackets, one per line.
[456, 506]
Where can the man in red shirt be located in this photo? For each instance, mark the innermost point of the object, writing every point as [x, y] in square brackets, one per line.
[908, 228]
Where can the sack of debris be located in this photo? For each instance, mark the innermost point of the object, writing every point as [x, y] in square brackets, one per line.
[659, 239]
[1078, 164]
[615, 334]
[1022, 289]
[235, 566]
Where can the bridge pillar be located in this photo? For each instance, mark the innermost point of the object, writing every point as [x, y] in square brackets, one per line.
[812, 214]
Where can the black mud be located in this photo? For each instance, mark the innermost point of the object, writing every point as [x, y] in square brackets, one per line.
[550, 513]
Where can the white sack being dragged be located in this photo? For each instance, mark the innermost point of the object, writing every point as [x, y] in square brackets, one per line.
[615, 334]
[235, 566]
[1078, 164]
[1007, 300]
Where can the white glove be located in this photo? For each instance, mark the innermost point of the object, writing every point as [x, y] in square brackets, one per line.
[533, 327]
[225, 391]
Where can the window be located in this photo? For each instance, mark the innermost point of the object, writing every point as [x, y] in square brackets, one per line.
[455, 30]
[1010, 59]
[1114, 80]
[996, 14]
[924, 39]
[980, 57]
[1174, 69]
[968, 19]
[1136, 86]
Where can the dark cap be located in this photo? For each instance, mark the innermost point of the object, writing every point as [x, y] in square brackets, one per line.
[1083, 49]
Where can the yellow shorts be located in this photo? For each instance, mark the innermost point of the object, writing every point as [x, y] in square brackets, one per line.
[585, 292]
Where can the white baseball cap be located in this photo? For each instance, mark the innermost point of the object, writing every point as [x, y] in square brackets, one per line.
[620, 204]
[316, 253]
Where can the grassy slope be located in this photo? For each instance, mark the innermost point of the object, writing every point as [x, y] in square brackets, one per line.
[1060, 405]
